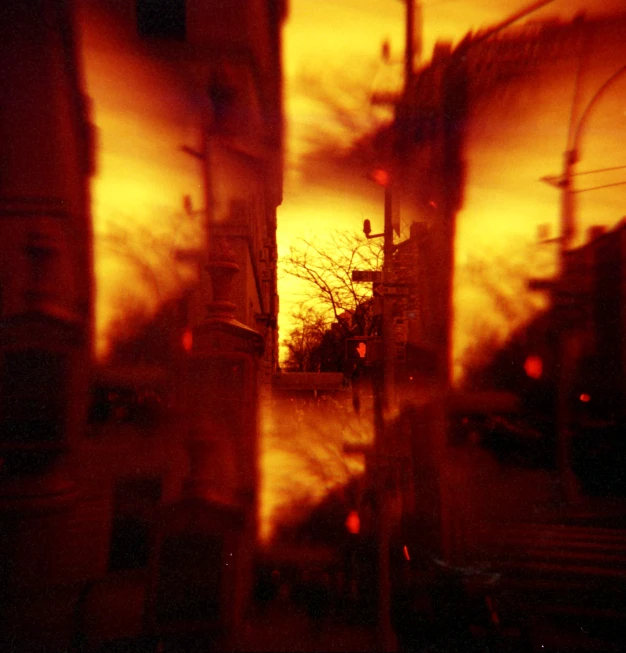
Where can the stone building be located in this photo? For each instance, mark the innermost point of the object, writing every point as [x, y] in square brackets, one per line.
[98, 499]
[499, 100]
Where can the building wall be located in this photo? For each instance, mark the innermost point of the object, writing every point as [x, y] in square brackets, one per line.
[502, 103]
[168, 143]
[597, 279]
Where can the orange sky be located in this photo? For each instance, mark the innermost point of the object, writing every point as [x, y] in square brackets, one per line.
[141, 177]
[332, 59]
[331, 56]
[336, 44]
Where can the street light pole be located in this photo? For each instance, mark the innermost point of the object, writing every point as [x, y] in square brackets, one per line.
[570, 158]
[567, 491]
[568, 341]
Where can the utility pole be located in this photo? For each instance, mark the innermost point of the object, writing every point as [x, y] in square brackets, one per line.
[386, 638]
[409, 52]
[387, 307]
[384, 400]
[384, 397]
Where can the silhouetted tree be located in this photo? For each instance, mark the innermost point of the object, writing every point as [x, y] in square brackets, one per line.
[303, 453]
[304, 340]
[493, 302]
[157, 261]
[327, 266]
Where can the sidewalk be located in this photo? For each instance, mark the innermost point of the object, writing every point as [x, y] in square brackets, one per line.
[282, 627]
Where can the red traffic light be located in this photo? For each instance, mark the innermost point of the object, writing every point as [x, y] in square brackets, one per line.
[357, 349]
[533, 366]
[363, 349]
[187, 340]
[353, 522]
[381, 177]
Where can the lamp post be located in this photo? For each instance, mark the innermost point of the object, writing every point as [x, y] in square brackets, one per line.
[568, 231]
[570, 157]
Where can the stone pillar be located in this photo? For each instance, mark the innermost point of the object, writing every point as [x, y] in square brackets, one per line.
[218, 510]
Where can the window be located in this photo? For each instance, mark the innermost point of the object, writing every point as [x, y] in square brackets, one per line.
[135, 503]
[164, 19]
[119, 404]
[189, 588]
[33, 397]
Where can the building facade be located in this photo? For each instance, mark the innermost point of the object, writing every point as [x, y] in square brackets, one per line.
[456, 124]
[187, 100]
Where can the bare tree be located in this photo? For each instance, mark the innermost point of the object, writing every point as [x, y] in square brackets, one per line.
[303, 454]
[493, 300]
[327, 266]
[304, 339]
[147, 264]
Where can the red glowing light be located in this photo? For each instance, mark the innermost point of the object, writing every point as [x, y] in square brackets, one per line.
[495, 619]
[381, 177]
[353, 522]
[187, 340]
[533, 366]
[585, 398]
[405, 550]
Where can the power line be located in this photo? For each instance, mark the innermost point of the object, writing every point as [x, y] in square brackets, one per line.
[584, 190]
[591, 172]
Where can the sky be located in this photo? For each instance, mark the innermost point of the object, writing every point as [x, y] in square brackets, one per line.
[333, 64]
[332, 57]
[335, 40]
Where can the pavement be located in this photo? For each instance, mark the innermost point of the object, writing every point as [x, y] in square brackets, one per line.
[282, 626]
[478, 490]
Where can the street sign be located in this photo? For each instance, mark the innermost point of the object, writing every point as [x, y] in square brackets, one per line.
[395, 290]
[367, 276]
[401, 332]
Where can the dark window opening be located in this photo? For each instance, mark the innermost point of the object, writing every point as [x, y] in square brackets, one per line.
[164, 19]
[126, 405]
[135, 504]
[189, 588]
[33, 397]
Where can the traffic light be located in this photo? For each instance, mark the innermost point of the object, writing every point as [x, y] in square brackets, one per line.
[363, 349]
[353, 522]
[356, 349]
[533, 366]
[381, 176]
